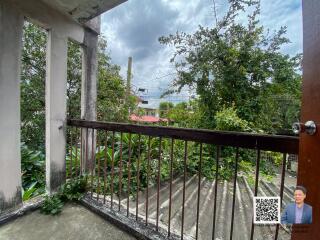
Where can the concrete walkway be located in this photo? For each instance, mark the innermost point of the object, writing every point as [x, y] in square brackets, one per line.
[73, 223]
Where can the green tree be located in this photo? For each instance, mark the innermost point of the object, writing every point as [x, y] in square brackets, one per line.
[112, 104]
[111, 95]
[164, 108]
[33, 87]
[180, 114]
[238, 64]
[74, 76]
[228, 120]
[185, 114]
[111, 87]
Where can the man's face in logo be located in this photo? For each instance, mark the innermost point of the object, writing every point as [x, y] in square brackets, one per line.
[299, 196]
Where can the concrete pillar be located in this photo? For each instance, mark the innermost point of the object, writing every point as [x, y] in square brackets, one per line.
[11, 25]
[56, 98]
[89, 91]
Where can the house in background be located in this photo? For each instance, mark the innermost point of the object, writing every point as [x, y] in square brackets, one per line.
[150, 111]
[149, 115]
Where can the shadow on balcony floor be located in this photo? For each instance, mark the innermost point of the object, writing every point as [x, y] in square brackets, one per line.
[75, 222]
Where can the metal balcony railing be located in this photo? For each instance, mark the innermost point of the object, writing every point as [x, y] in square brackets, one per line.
[151, 167]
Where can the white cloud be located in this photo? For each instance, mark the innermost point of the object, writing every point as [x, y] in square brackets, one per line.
[133, 29]
[277, 13]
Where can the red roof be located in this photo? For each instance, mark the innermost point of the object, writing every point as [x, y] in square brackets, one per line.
[147, 119]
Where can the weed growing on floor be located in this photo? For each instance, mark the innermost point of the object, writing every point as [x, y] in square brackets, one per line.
[72, 190]
[52, 205]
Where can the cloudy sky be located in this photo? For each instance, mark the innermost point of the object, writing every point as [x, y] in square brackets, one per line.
[133, 29]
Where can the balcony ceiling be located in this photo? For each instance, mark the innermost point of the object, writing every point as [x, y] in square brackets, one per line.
[83, 10]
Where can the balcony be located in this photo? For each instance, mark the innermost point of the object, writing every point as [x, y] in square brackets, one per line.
[76, 222]
[151, 182]
[148, 182]
[128, 183]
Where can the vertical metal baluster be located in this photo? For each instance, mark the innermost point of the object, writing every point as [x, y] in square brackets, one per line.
[81, 152]
[234, 191]
[170, 194]
[112, 168]
[129, 175]
[158, 183]
[184, 186]
[198, 201]
[76, 163]
[255, 188]
[215, 192]
[98, 157]
[120, 177]
[70, 170]
[92, 165]
[85, 163]
[138, 177]
[87, 152]
[281, 188]
[105, 168]
[148, 175]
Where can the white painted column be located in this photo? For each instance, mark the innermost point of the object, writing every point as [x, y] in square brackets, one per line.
[89, 76]
[56, 100]
[11, 25]
[89, 91]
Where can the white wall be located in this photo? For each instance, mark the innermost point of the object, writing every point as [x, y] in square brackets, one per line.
[60, 29]
[11, 23]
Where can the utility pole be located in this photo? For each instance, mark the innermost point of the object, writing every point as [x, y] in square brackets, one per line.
[129, 82]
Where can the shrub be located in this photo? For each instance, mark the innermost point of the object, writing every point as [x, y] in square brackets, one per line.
[52, 205]
[73, 190]
[228, 120]
[33, 172]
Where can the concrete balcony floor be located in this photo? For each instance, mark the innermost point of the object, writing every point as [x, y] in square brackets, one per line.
[74, 222]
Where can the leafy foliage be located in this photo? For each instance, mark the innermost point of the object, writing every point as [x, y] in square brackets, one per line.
[52, 205]
[164, 108]
[33, 169]
[227, 119]
[184, 114]
[236, 64]
[33, 71]
[237, 71]
[110, 99]
[112, 103]
[72, 190]
[242, 79]
[74, 75]
[29, 192]
[111, 88]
